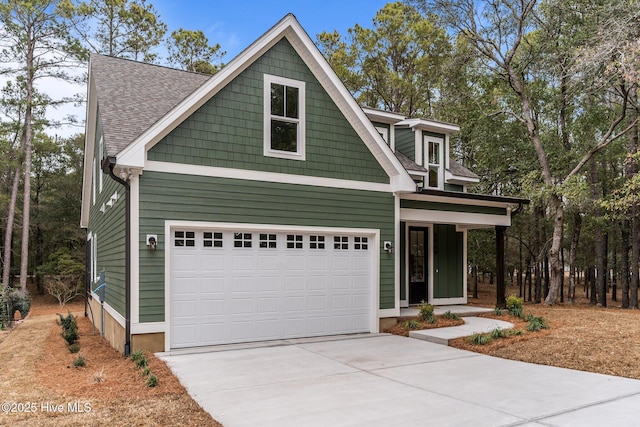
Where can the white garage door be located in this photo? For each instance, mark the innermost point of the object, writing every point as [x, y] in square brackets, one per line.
[231, 286]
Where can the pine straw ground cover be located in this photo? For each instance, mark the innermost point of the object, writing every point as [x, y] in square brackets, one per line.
[580, 336]
[37, 368]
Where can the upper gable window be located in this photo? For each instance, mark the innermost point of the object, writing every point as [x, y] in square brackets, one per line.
[284, 118]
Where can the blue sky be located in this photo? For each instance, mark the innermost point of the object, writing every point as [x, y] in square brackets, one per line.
[235, 24]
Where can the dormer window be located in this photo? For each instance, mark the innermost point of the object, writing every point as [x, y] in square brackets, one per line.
[284, 123]
[433, 157]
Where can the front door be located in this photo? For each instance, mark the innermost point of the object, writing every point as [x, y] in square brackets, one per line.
[418, 271]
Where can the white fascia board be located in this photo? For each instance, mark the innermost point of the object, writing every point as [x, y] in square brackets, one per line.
[383, 116]
[456, 179]
[461, 218]
[89, 146]
[430, 125]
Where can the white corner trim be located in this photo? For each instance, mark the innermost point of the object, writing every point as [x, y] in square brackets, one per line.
[134, 242]
[252, 175]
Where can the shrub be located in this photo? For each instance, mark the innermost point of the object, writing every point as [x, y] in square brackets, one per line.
[497, 311]
[480, 339]
[74, 348]
[450, 315]
[412, 324]
[152, 381]
[79, 362]
[426, 311]
[514, 305]
[535, 323]
[10, 301]
[69, 326]
[146, 371]
[498, 333]
[139, 358]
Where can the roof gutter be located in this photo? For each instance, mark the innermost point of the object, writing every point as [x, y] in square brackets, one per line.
[108, 164]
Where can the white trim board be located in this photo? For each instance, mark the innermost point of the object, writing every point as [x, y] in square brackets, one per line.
[252, 175]
[456, 218]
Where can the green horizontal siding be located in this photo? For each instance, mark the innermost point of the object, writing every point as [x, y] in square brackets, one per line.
[166, 196]
[228, 130]
[454, 187]
[109, 227]
[451, 207]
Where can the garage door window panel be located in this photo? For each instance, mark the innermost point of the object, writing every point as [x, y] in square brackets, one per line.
[241, 240]
[212, 239]
[185, 238]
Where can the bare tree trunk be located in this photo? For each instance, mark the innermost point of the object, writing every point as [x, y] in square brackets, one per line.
[8, 237]
[624, 263]
[614, 272]
[520, 288]
[26, 206]
[577, 227]
[631, 170]
[598, 239]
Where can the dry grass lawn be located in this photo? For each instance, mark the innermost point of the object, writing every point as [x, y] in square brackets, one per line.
[36, 369]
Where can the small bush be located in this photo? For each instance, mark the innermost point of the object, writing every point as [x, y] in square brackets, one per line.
[498, 333]
[426, 311]
[450, 315]
[11, 300]
[139, 358]
[516, 332]
[69, 326]
[79, 362]
[74, 348]
[480, 339]
[536, 323]
[497, 311]
[514, 305]
[412, 324]
[146, 371]
[152, 381]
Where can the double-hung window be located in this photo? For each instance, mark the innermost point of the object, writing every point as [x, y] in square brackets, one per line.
[284, 118]
[433, 149]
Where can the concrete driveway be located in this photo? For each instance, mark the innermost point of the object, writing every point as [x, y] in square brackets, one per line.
[386, 380]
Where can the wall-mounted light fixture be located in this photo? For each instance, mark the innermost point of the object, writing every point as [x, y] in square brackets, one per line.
[152, 241]
[388, 247]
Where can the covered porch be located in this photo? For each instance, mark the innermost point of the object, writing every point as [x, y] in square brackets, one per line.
[433, 243]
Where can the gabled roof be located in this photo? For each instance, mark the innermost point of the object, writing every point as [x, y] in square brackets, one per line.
[186, 92]
[132, 96]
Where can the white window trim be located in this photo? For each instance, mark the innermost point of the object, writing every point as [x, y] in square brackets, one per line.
[93, 193]
[384, 133]
[268, 151]
[427, 161]
[100, 151]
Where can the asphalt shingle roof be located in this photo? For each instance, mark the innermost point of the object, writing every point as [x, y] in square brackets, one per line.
[132, 96]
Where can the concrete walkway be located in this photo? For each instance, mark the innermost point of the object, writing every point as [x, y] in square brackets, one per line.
[472, 325]
[386, 380]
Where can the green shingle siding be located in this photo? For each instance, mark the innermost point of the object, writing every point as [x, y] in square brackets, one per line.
[454, 187]
[406, 143]
[228, 130]
[451, 207]
[192, 198]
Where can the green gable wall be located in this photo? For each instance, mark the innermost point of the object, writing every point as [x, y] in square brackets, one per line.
[166, 196]
[109, 227]
[228, 130]
[406, 143]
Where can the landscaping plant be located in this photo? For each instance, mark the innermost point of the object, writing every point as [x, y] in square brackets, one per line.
[426, 312]
[69, 326]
